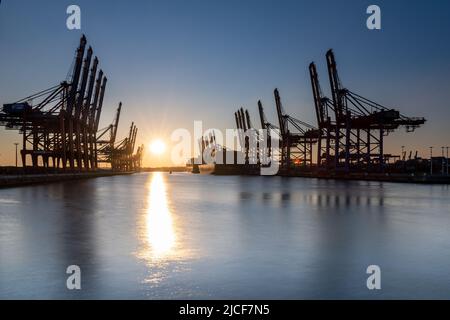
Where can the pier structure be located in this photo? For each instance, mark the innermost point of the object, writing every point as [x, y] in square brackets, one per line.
[60, 125]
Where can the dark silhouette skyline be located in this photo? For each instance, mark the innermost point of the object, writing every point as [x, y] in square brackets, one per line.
[173, 62]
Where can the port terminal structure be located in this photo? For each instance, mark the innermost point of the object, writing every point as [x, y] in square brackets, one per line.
[60, 125]
[347, 142]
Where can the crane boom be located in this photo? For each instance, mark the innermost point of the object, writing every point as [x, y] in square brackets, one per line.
[76, 75]
[335, 86]
[116, 123]
[100, 103]
[280, 114]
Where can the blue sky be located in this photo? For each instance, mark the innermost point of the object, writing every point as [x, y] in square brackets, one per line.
[173, 62]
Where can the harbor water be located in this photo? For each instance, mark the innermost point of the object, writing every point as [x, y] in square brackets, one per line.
[186, 236]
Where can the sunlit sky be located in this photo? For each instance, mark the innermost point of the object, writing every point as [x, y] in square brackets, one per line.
[173, 62]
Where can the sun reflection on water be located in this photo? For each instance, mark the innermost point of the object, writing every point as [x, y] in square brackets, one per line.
[160, 230]
[163, 246]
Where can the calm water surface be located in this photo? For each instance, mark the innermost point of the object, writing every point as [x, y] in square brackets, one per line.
[161, 236]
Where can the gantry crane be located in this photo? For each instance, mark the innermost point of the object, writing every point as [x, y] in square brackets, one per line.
[296, 146]
[58, 123]
[266, 151]
[61, 123]
[352, 127]
[106, 139]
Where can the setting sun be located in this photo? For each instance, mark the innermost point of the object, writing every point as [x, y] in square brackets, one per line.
[157, 147]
